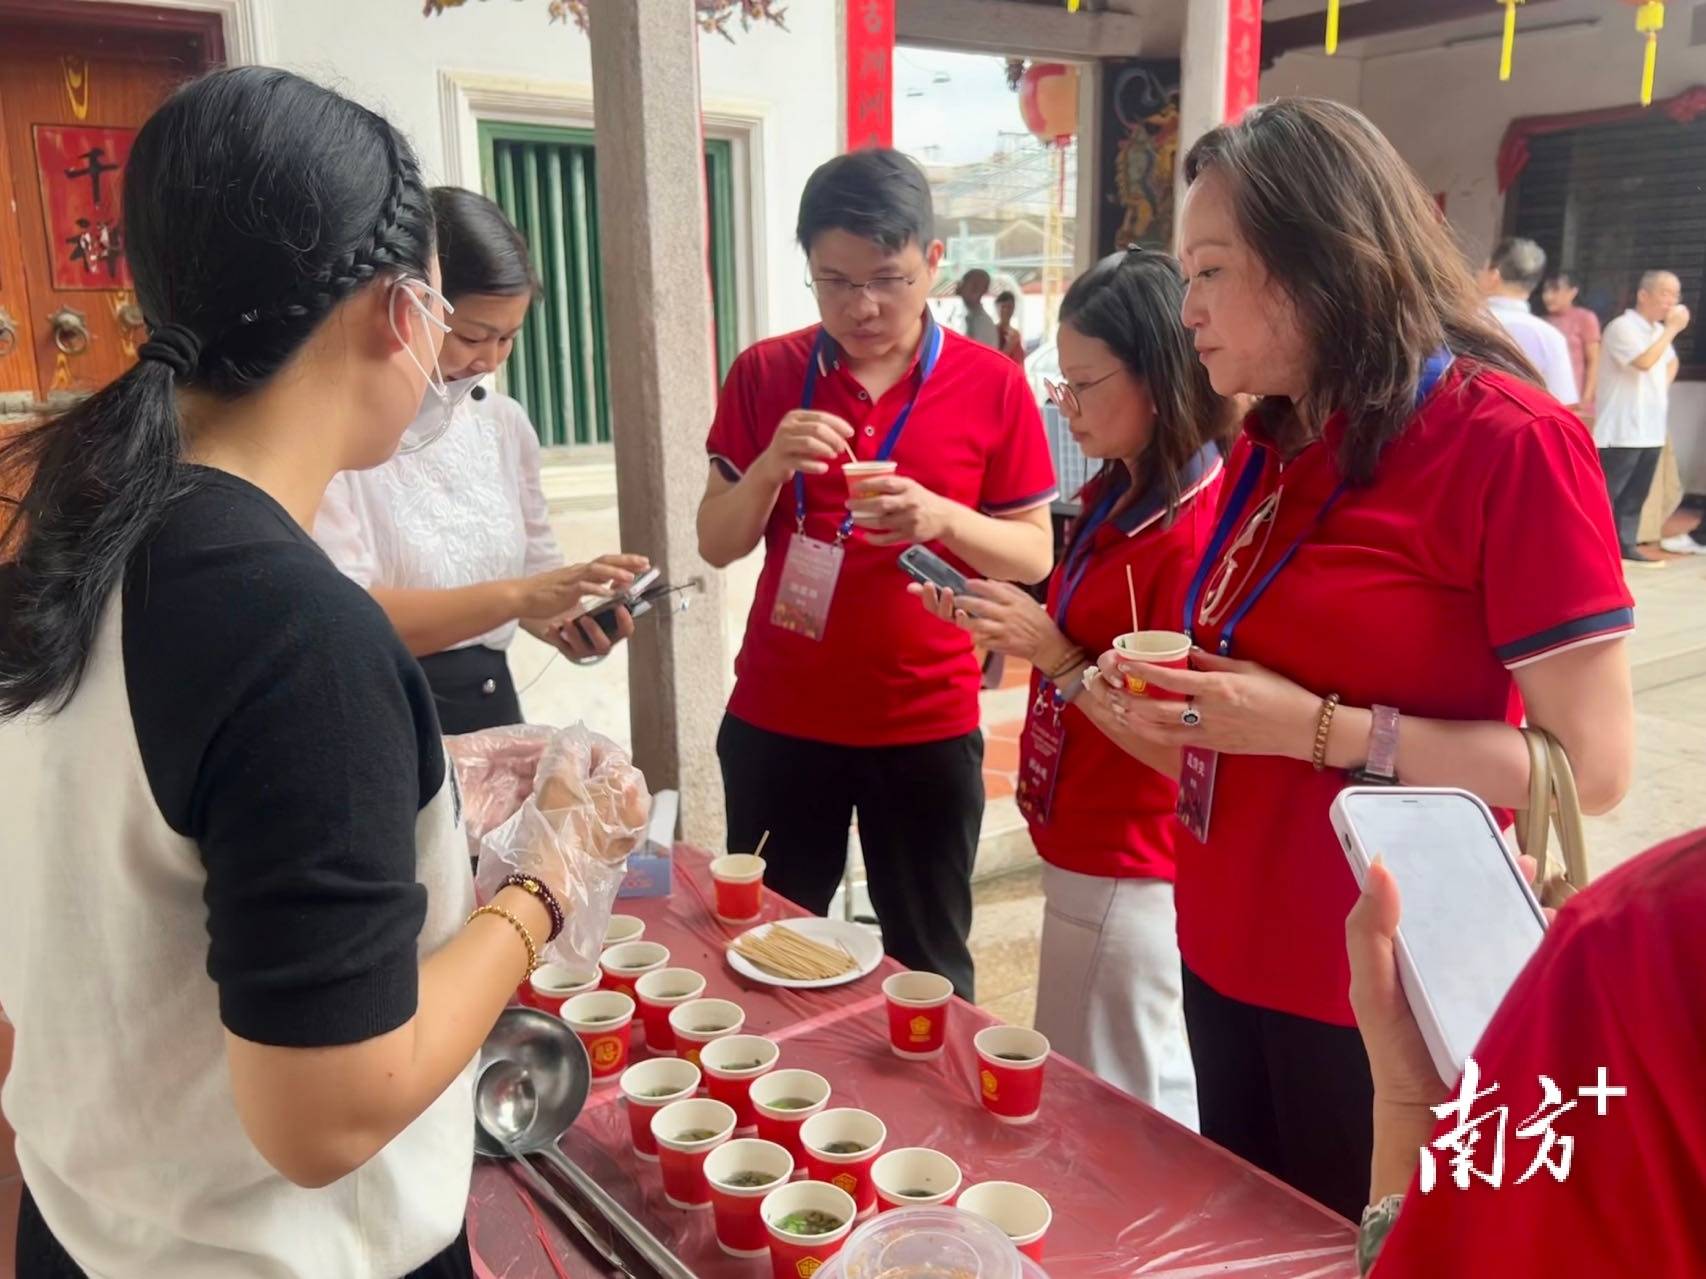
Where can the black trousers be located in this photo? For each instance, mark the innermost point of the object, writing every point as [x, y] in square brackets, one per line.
[1291, 1095]
[40, 1256]
[920, 813]
[1628, 479]
[472, 689]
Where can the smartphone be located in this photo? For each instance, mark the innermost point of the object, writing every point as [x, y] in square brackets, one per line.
[637, 599]
[1469, 921]
[923, 565]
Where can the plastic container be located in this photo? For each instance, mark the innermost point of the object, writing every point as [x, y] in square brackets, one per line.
[930, 1241]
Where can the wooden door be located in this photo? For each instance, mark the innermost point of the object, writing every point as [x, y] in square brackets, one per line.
[73, 91]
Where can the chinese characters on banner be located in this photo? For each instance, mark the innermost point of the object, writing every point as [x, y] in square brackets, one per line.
[82, 171]
[870, 73]
[1243, 55]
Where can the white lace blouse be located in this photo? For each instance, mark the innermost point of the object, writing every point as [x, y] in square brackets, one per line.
[466, 509]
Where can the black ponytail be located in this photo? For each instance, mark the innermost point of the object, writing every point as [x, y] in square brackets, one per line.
[255, 202]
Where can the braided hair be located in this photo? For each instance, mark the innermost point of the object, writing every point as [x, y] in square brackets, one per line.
[255, 203]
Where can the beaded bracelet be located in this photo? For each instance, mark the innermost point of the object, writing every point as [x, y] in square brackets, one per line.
[520, 929]
[547, 898]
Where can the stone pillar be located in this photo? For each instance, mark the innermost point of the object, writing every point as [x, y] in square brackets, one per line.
[657, 313]
[1202, 77]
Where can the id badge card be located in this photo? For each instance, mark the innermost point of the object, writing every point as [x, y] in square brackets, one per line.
[1196, 790]
[807, 587]
[1040, 748]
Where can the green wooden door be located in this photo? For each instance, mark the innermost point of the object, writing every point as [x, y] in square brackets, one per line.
[546, 180]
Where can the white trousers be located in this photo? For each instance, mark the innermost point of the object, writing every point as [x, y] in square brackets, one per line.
[1109, 993]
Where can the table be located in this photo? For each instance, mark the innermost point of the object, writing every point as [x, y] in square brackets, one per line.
[1133, 1192]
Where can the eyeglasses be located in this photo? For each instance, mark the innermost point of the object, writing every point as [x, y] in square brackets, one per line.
[1065, 395]
[832, 290]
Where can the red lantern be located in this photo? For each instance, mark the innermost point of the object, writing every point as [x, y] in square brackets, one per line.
[1048, 100]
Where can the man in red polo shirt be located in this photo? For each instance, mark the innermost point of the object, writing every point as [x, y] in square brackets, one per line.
[847, 698]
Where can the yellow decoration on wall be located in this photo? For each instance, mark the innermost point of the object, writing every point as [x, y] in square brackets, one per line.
[1649, 21]
[1332, 27]
[1508, 47]
[76, 70]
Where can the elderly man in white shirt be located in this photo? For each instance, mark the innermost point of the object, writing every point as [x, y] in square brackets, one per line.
[1637, 364]
[1509, 279]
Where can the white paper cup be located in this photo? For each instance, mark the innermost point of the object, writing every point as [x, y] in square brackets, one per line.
[624, 928]
[915, 1168]
[858, 473]
[699, 1021]
[1023, 1214]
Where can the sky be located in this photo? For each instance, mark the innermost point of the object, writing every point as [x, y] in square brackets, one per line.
[951, 108]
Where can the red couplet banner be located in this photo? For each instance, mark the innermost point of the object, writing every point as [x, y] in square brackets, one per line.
[870, 73]
[82, 171]
[1243, 55]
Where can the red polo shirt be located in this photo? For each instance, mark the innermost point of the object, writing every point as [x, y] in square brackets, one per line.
[885, 673]
[1112, 815]
[1615, 986]
[1484, 542]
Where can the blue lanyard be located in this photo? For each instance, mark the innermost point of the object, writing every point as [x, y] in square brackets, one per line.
[926, 366]
[1254, 466]
[1079, 553]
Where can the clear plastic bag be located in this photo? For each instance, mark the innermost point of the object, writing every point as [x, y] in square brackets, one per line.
[564, 804]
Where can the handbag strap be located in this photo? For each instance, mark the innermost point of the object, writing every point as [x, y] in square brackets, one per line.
[1552, 802]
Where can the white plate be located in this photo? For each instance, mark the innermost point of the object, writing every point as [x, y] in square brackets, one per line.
[864, 944]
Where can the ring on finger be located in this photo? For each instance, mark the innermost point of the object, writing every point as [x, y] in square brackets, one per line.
[1190, 717]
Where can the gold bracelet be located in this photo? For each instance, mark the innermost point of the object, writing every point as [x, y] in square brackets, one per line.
[520, 930]
[1323, 729]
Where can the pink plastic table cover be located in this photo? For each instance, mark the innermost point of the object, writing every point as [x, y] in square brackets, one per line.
[1133, 1192]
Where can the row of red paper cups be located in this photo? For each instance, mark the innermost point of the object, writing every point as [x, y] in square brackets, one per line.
[697, 1168]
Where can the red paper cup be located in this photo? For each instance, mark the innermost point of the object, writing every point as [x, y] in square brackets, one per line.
[781, 1124]
[738, 1209]
[739, 882]
[1023, 1215]
[682, 1161]
[730, 1065]
[554, 984]
[624, 965]
[1010, 1072]
[660, 991]
[604, 1022]
[857, 473]
[699, 1021]
[918, 1014]
[623, 928]
[913, 1177]
[848, 1170]
[797, 1256]
[639, 1083]
[1156, 648]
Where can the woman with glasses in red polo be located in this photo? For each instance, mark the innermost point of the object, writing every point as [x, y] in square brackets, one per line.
[1414, 552]
[1138, 400]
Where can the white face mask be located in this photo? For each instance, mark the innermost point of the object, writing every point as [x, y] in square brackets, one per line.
[440, 390]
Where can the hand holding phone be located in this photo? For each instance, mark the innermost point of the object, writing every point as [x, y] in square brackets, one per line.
[1468, 920]
[927, 568]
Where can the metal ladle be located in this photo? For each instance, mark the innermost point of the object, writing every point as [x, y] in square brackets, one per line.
[526, 1101]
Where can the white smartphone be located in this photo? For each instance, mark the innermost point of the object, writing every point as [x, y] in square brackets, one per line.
[1469, 920]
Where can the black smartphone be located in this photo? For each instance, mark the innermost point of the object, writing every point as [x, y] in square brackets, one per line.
[637, 599]
[923, 565]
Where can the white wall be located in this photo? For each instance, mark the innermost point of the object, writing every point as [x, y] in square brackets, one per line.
[386, 54]
[1446, 112]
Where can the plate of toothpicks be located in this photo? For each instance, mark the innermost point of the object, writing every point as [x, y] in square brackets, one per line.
[806, 954]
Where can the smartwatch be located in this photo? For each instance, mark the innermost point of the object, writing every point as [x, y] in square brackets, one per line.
[1381, 768]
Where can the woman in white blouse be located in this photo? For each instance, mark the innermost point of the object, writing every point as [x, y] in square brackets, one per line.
[453, 539]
